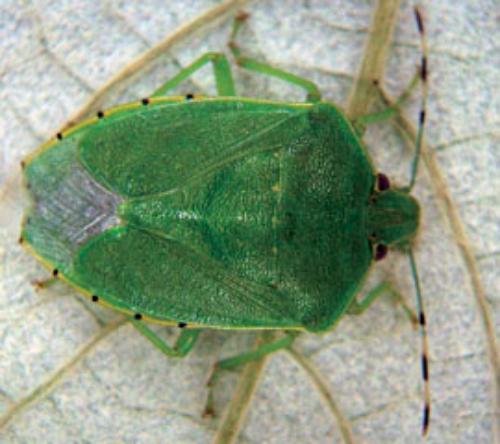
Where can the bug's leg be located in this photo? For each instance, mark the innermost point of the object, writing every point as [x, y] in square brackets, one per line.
[46, 283]
[358, 308]
[422, 78]
[240, 359]
[222, 73]
[313, 93]
[390, 110]
[185, 342]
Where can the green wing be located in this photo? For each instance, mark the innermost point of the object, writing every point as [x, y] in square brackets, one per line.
[156, 149]
[148, 274]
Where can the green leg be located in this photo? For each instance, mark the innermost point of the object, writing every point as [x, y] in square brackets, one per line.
[358, 308]
[185, 342]
[222, 73]
[422, 77]
[389, 111]
[240, 359]
[313, 93]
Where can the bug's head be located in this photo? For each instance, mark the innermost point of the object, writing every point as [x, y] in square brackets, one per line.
[393, 217]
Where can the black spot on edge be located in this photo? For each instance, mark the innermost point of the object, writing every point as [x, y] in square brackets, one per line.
[182, 325]
[137, 316]
[59, 136]
[95, 298]
[100, 114]
[55, 272]
[189, 96]
[145, 101]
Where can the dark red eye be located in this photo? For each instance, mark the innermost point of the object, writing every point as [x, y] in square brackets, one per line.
[380, 252]
[383, 182]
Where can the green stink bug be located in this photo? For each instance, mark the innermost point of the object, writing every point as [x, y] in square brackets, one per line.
[215, 212]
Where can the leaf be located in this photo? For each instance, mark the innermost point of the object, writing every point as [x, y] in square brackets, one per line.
[71, 372]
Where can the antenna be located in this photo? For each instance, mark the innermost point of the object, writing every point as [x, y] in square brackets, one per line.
[423, 107]
[425, 347]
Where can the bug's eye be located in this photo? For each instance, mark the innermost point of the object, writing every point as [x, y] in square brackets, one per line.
[380, 252]
[383, 182]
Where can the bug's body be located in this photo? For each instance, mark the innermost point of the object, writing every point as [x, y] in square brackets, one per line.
[216, 212]
[222, 212]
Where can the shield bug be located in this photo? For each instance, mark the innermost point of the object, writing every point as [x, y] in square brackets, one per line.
[220, 212]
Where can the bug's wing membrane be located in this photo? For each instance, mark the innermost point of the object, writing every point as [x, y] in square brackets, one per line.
[140, 272]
